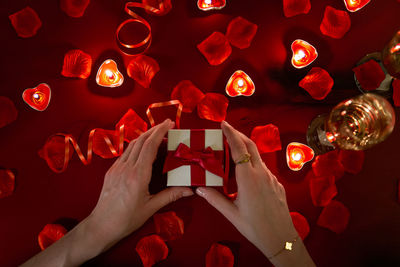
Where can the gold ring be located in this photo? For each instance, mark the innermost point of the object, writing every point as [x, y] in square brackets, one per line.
[243, 159]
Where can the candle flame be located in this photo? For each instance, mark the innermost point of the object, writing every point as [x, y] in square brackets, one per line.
[300, 55]
[296, 156]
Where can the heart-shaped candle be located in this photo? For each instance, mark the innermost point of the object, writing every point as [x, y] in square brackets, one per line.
[303, 53]
[206, 5]
[297, 155]
[108, 74]
[39, 97]
[240, 84]
[355, 5]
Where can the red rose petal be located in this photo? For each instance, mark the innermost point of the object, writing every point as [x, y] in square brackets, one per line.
[26, 22]
[396, 92]
[100, 146]
[322, 190]
[168, 225]
[318, 83]
[215, 48]
[77, 64]
[142, 69]
[7, 183]
[134, 125]
[50, 234]
[151, 250]
[351, 160]
[301, 224]
[335, 217]
[53, 152]
[370, 75]
[219, 256]
[164, 6]
[74, 8]
[8, 112]
[267, 138]
[295, 7]
[189, 95]
[328, 164]
[336, 23]
[241, 32]
[213, 107]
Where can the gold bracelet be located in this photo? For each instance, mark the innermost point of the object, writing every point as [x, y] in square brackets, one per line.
[288, 247]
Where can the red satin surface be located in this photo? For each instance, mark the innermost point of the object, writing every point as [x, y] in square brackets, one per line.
[43, 197]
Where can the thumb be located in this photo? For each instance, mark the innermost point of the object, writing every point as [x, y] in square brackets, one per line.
[167, 196]
[220, 202]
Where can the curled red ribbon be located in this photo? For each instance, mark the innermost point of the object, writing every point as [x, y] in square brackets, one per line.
[165, 104]
[184, 155]
[137, 19]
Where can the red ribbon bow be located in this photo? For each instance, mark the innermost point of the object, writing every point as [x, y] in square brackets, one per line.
[184, 155]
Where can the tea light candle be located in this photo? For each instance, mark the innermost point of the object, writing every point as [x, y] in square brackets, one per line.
[303, 53]
[297, 155]
[108, 74]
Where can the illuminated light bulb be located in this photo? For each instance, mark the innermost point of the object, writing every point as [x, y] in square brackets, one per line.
[206, 5]
[240, 84]
[297, 155]
[303, 54]
[38, 98]
[108, 74]
[355, 5]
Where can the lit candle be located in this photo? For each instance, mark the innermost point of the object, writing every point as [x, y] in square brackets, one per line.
[38, 98]
[355, 5]
[108, 74]
[297, 155]
[240, 84]
[303, 53]
[210, 4]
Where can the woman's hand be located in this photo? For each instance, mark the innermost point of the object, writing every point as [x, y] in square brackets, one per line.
[123, 206]
[260, 211]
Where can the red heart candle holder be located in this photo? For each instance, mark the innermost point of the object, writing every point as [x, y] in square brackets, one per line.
[108, 74]
[240, 84]
[297, 155]
[303, 54]
[206, 5]
[39, 97]
[355, 5]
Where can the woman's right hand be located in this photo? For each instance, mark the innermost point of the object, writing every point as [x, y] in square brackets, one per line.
[260, 211]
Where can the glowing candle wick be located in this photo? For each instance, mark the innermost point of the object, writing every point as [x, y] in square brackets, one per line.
[299, 55]
[240, 83]
[296, 156]
[207, 2]
[36, 96]
[110, 74]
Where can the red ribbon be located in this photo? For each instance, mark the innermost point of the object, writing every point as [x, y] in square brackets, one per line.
[137, 19]
[184, 155]
[165, 104]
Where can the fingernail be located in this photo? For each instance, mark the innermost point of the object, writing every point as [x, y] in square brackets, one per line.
[167, 121]
[200, 191]
[187, 193]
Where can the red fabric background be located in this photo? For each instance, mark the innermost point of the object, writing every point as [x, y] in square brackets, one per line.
[41, 197]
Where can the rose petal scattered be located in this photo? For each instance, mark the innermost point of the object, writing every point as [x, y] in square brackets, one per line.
[142, 69]
[241, 32]
[215, 48]
[77, 64]
[335, 216]
[7, 183]
[74, 8]
[213, 107]
[53, 152]
[352, 160]
[219, 256]
[151, 250]
[318, 83]
[295, 7]
[168, 225]
[134, 125]
[8, 112]
[189, 95]
[163, 6]
[267, 138]
[301, 224]
[328, 164]
[370, 75]
[322, 190]
[26, 22]
[396, 92]
[100, 146]
[336, 23]
[50, 234]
